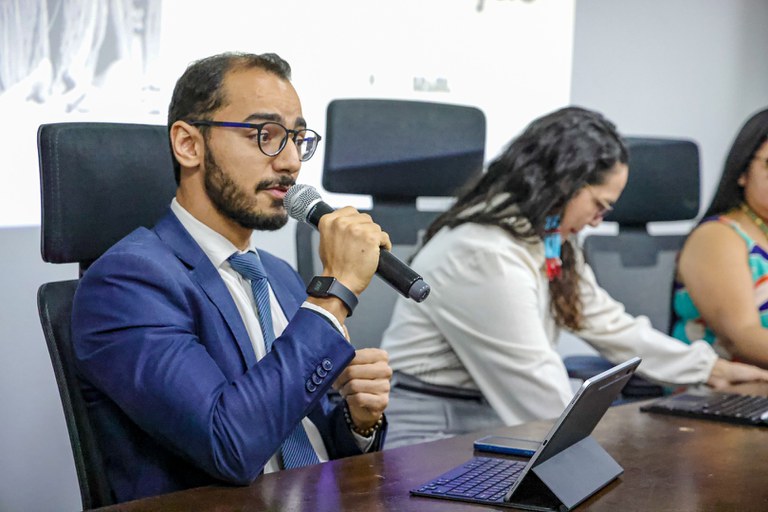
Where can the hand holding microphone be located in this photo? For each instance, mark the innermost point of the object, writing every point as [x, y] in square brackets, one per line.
[352, 245]
[349, 247]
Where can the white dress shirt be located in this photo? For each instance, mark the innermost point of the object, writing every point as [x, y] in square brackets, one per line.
[219, 249]
[487, 325]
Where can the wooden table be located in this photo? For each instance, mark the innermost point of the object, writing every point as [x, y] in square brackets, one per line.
[670, 464]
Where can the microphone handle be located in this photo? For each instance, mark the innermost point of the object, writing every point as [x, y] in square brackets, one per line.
[318, 210]
[391, 269]
[401, 277]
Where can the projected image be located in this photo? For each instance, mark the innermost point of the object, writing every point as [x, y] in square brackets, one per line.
[117, 61]
[69, 54]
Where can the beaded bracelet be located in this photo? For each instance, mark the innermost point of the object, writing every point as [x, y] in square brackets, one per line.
[368, 432]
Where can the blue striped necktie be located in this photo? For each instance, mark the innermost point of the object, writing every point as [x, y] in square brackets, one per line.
[296, 449]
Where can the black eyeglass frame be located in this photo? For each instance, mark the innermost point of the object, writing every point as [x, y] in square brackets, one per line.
[293, 134]
[604, 207]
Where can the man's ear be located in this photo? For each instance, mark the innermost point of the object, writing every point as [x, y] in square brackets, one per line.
[187, 144]
[742, 179]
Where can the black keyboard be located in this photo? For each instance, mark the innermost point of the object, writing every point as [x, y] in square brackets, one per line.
[728, 407]
[479, 479]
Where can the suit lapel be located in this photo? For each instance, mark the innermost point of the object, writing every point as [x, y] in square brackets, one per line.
[170, 230]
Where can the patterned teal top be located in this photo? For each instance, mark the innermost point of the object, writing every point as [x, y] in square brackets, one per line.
[688, 324]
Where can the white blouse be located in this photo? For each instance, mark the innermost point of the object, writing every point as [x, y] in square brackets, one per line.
[487, 326]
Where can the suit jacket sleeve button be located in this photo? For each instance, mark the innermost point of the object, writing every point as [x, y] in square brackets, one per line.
[320, 371]
[327, 365]
[317, 379]
[311, 386]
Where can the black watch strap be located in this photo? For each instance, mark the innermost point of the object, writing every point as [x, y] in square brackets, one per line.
[326, 286]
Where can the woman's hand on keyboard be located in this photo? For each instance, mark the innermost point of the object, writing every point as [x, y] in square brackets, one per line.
[725, 373]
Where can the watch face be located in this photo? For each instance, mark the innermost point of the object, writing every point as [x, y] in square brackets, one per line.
[319, 285]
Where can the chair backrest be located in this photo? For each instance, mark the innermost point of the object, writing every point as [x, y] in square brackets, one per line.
[54, 302]
[99, 182]
[634, 266]
[394, 151]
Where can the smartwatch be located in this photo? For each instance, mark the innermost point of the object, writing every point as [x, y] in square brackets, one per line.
[326, 286]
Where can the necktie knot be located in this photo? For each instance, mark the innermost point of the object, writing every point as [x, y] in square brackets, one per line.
[248, 264]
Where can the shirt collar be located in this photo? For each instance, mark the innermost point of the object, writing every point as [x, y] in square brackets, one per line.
[214, 244]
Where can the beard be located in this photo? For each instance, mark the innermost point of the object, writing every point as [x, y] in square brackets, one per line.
[235, 203]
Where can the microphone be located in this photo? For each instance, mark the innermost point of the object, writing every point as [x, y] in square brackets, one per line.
[304, 204]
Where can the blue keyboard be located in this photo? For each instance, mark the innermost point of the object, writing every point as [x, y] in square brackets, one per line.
[479, 479]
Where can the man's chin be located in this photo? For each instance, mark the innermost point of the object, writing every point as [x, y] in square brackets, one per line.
[263, 222]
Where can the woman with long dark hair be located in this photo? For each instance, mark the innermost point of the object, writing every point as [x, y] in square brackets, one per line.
[722, 281]
[507, 277]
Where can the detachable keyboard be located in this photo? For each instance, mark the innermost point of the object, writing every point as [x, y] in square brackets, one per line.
[729, 407]
[482, 479]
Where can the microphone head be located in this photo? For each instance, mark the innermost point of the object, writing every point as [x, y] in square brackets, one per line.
[299, 200]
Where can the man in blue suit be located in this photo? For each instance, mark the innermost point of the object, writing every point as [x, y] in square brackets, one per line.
[195, 370]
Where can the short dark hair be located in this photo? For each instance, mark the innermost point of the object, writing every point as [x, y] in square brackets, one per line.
[534, 177]
[729, 193]
[199, 91]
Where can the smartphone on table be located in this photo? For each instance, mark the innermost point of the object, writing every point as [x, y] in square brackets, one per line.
[507, 445]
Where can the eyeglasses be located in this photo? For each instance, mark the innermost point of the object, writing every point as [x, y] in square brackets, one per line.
[272, 137]
[603, 207]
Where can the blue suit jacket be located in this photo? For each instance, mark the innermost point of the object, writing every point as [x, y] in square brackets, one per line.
[175, 394]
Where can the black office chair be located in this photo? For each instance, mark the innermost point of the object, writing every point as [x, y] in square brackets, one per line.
[99, 182]
[634, 266]
[394, 151]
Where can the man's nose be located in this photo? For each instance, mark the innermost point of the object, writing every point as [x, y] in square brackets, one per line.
[288, 159]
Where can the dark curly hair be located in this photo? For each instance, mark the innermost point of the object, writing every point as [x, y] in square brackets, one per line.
[729, 193]
[534, 177]
[199, 91]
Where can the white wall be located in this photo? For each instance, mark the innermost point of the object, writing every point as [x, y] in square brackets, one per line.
[691, 68]
[679, 68]
[36, 464]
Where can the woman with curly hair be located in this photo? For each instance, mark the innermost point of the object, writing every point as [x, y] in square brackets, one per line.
[507, 277]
